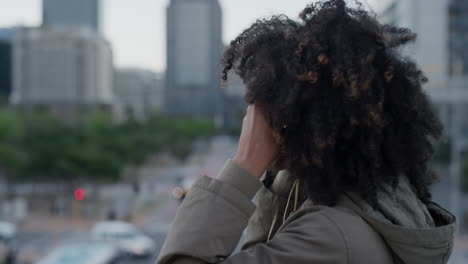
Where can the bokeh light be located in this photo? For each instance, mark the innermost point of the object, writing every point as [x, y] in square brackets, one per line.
[79, 194]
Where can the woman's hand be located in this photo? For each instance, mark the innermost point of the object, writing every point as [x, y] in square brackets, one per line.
[257, 147]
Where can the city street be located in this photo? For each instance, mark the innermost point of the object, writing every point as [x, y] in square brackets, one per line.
[42, 235]
[111, 110]
[159, 239]
[33, 244]
[39, 235]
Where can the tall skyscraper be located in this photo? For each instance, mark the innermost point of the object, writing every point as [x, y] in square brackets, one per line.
[61, 68]
[71, 13]
[6, 38]
[194, 47]
[458, 40]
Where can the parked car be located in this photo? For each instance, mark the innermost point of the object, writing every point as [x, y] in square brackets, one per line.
[83, 253]
[7, 231]
[131, 241]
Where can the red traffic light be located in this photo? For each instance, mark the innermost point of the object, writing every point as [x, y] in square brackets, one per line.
[79, 194]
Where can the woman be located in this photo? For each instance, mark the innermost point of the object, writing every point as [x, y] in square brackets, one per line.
[340, 113]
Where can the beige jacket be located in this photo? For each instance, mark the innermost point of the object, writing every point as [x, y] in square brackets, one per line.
[215, 213]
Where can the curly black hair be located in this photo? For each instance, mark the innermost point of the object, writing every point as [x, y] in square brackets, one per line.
[347, 106]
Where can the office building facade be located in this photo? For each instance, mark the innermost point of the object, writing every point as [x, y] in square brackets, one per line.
[75, 13]
[138, 92]
[429, 19]
[194, 47]
[61, 68]
[458, 38]
[6, 38]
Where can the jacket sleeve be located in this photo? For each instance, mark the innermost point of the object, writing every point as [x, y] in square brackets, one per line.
[214, 214]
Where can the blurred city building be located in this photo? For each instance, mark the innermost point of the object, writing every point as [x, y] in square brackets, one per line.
[194, 47]
[139, 92]
[442, 51]
[64, 69]
[429, 19]
[458, 37]
[81, 13]
[6, 37]
[234, 104]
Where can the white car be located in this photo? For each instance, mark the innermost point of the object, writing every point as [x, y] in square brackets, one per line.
[83, 253]
[125, 236]
[7, 231]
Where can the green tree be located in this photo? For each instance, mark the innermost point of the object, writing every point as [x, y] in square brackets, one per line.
[37, 146]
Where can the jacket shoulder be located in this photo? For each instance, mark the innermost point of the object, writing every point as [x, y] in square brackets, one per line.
[311, 237]
[360, 241]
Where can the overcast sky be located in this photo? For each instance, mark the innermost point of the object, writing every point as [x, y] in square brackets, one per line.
[136, 28]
